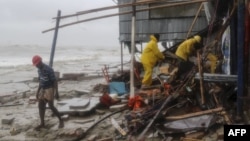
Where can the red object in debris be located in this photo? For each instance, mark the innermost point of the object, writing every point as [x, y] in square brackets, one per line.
[107, 100]
[135, 102]
[167, 86]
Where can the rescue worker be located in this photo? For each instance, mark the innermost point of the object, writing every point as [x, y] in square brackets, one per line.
[46, 90]
[185, 50]
[212, 60]
[150, 56]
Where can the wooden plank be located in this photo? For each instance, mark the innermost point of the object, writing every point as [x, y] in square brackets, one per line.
[194, 114]
[123, 13]
[111, 7]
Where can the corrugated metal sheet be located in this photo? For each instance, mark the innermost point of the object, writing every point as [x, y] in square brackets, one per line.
[172, 23]
[168, 28]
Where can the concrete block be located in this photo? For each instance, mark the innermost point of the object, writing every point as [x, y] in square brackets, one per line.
[7, 120]
[82, 92]
[83, 103]
[66, 109]
[117, 107]
[92, 138]
[32, 99]
[65, 117]
[100, 112]
[72, 76]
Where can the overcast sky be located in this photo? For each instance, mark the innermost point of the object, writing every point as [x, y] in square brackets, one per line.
[22, 22]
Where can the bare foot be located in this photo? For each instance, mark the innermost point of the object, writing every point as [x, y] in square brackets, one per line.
[57, 96]
[61, 124]
[39, 127]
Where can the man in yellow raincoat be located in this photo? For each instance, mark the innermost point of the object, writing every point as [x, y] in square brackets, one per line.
[150, 56]
[187, 48]
[184, 51]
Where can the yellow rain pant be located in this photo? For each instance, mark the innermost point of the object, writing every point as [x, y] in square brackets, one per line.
[147, 78]
[213, 62]
[150, 55]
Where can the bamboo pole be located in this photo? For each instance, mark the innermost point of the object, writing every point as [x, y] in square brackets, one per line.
[194, 21]
[112, 7]
[127, 12]
[194, 114]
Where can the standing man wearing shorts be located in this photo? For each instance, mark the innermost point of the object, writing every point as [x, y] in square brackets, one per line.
[46, 90]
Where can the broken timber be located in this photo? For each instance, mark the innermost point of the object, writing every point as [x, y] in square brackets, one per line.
[211, 111]
[123, 13]
[85, 132]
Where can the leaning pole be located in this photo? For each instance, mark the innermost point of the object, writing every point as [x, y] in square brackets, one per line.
[54, 39]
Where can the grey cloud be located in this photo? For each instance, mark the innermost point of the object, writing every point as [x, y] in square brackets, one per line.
[22, 22]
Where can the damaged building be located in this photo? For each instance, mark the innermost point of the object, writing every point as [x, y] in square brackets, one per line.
[209, 94]
[193, 107]
[213, 93]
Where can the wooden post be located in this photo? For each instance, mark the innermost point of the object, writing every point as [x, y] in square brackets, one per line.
[55, 39]
[197, 14]
[132, 91]
[201, 77]
[121, 43]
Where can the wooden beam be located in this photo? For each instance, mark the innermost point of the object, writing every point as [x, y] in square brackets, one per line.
[112, 7]
[127, 12]
[194, 114]
[197, 14]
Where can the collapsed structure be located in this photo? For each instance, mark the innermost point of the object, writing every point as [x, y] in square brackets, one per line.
[207, 92]
[205, 96]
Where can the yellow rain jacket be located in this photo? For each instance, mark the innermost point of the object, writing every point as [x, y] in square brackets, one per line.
[185, 49]
[213, 62]
[150, 55]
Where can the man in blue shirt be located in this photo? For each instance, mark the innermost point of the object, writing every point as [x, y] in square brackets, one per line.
[46, 90]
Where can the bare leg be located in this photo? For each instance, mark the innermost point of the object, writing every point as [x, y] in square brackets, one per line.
[42, 109]
[57, 92]
[55, 111]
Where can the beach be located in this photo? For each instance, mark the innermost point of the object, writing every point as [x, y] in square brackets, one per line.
[19, 108]
[18, 86]
[16, 65]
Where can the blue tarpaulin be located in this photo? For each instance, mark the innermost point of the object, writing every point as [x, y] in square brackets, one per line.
[117, 88]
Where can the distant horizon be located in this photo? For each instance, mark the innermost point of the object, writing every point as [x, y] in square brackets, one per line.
[22, 22]
[39, 45]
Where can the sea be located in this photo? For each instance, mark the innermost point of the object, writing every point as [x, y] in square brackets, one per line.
[16, 64]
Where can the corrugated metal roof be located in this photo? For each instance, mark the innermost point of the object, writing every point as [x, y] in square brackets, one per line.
[171, 23]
